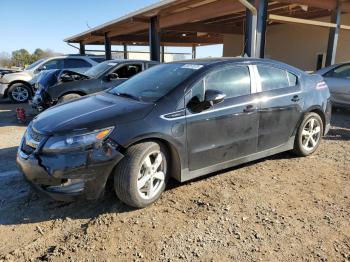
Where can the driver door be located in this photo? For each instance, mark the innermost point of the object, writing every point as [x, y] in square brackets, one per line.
[228, 130]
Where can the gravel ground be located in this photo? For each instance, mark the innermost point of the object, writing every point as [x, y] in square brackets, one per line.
[281, 208]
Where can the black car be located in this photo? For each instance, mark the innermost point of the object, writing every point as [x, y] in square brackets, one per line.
[181, 120]
[57, 86]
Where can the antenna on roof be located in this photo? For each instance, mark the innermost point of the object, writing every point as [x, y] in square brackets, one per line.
[87, 24]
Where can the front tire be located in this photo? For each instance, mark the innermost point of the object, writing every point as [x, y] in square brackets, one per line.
[141, 177]
[68, 97]
[309, 135]
[19, 93]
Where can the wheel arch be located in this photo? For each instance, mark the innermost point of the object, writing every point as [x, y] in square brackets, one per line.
[313, 109]
[81, 93]
[18, 82]
[175, 160]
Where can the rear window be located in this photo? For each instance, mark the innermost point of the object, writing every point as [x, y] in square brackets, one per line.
[76, 63]
[275, 78]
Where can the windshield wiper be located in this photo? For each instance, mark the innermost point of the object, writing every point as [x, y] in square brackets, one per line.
[127, 96]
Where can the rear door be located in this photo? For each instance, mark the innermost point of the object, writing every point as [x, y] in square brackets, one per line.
[229, 129]
[281, 103]
[338, 81]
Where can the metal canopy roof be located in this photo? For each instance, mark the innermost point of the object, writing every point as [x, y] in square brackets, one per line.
[196, 22]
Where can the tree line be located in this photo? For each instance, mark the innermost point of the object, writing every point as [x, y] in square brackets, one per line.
[22, 58]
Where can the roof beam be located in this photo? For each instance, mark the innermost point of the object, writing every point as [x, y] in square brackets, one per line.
[207, 28]
[203, 12]
[293, 20]
[324, 4]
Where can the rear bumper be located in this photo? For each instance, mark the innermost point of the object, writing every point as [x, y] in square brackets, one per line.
[70, 176]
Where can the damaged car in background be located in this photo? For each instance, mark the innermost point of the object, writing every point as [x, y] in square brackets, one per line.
[181, 120]
[58, 86]
[18, 86]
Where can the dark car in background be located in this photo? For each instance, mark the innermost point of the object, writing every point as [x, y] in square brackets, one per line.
[57, 86]
[337, 78]
[181, 120]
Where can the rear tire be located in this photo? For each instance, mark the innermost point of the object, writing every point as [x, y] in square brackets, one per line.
[141, 177]
[68, 97]
[19, 93]
[309, 135]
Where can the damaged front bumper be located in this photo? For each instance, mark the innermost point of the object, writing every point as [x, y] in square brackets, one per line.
[71, 175]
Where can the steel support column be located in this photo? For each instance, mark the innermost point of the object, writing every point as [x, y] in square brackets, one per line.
[163, 54]
[333, 35]
[108, 48]
[82, 49]
[250, 28]
[194, 51]
[261, 28]
[125, 51]
[154, 38]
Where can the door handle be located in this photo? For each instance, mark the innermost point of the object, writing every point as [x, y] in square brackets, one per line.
[249, 109]
[295, 98]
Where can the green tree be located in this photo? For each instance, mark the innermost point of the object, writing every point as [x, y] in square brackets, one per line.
[21, 58]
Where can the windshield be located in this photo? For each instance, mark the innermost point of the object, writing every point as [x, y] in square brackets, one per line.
[31, 66]
[99, 69]
[155, 82]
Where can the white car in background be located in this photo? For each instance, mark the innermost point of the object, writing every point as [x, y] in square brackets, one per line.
[18, 86]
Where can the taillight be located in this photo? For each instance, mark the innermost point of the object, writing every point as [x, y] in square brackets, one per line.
[321, 85]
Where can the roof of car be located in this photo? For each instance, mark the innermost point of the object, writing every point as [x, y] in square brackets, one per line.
[213, 61]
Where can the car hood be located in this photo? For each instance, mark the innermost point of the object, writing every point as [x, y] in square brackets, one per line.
[90, 113]
[24, 75]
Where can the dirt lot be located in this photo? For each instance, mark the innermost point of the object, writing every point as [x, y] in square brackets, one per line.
[281, 208]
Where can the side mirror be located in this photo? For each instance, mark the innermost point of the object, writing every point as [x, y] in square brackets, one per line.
[112, 76]
[213, 97]
[42, 68]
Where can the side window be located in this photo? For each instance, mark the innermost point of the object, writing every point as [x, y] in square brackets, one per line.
[340, 72]
[53, 64]
[274, 78]
[232, 81]
[76, 63]
[129, 70]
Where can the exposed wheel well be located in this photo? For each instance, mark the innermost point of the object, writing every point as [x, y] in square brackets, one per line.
[175, 162]
[18, 82]
[73, 92]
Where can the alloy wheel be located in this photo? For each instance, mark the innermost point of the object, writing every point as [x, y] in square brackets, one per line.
[311, 134]
[20, 93]
[151, 177]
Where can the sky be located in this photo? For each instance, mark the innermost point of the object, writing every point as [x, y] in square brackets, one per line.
[32, 24]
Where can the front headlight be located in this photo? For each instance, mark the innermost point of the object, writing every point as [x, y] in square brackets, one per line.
[75, 142]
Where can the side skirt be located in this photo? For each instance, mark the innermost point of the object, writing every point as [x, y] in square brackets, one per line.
[188, 175]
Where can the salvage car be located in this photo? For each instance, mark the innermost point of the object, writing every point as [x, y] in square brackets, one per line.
[181, 120]
[58, 86]
[18, 86]
[337, 78]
